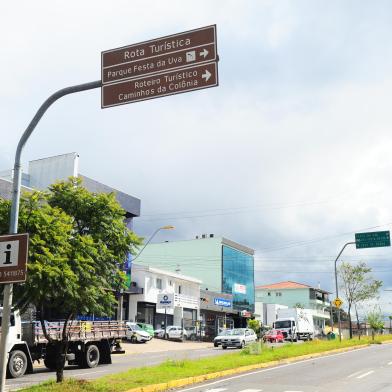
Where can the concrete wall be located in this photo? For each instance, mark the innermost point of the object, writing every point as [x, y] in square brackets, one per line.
[267, 313]
[46, 171]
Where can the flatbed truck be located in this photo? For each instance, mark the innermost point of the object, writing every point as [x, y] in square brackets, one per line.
[90, 343]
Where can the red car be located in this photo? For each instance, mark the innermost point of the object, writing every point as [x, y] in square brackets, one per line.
[274, 336]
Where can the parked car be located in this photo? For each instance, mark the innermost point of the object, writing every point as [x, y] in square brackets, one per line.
[136, 334]
[147, 327]
[220, 336]
[159, 333]
[274, 336]
[239, 337]
[194, 333]
[174, 332]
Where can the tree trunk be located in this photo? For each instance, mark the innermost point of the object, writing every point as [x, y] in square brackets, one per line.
[358, 325]
[61, 350]
[350, 322]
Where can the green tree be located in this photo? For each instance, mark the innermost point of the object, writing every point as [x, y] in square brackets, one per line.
[358, 286]
[375, 320]
[78, 244]
[255, 325]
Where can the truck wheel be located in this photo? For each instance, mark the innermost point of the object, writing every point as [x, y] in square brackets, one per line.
[242, 344]
[133, 339]
[17, 364]
[92, 356]
[224, 347]
[50, 363]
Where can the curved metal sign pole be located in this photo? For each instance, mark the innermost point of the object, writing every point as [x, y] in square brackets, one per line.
[13, 228]
[336, 287]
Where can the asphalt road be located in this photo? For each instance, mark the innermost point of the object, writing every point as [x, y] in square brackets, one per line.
[362, 370]
[121, 362]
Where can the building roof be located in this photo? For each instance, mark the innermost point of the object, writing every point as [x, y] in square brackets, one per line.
[147, 268]
[284, 285]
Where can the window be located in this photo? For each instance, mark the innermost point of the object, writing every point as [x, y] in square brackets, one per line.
[269, 294]
[238, 278]
[179, 289]
[170, 283]
[159, 284]
[278, 294]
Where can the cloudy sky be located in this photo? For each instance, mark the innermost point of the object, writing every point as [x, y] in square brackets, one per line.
[290, 155]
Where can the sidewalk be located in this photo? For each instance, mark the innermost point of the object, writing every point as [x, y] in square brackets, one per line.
[160, 345]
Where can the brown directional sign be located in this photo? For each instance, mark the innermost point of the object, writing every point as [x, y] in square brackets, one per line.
[154, 86]
[164, 66]
[13, 258]
[167, 53]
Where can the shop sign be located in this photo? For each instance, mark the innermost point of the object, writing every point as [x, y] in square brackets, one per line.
[223, 302]
[165, 301]
[239, 288]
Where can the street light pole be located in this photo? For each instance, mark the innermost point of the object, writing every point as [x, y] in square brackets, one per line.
[14, 215]
[336, 286]
[152, 236]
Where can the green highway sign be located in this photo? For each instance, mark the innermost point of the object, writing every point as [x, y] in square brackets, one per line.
[374, 239]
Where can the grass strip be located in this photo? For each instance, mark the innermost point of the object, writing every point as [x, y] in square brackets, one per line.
[179, 369]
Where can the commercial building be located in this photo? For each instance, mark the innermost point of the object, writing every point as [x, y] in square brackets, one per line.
[293, 294]
[148, 283]
[46, 171]
[216, 312]
[267, 313]
[222, 265]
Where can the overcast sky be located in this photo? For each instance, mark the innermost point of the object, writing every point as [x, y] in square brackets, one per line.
[290, 155]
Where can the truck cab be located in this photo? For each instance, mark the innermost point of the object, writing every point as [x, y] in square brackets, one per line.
[18, 353]
[287, 326]
[295, 323]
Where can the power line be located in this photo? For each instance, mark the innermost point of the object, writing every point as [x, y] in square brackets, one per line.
[243, 209]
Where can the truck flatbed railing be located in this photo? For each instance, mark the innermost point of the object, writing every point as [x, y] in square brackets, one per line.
[80, 330]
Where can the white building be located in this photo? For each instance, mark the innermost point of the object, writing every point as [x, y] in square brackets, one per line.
[148, 282]
[267, 313]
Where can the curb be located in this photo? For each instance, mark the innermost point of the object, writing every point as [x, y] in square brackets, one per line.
[223, 373]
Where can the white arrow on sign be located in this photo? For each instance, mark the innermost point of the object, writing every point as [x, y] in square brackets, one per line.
[206, 75]
[204, 53]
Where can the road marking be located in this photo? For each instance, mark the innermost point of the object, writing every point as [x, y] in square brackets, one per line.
[247, 374]
[216, 390]
[365, 374]
[251, 390]
[355, 374]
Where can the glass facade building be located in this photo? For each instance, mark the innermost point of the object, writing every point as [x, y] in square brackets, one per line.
[222, 265]
[238, 278]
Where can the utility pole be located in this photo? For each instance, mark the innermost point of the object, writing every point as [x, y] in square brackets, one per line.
[337, 289]
[14, 216]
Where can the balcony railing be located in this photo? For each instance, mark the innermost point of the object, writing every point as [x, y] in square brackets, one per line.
[186, 300]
